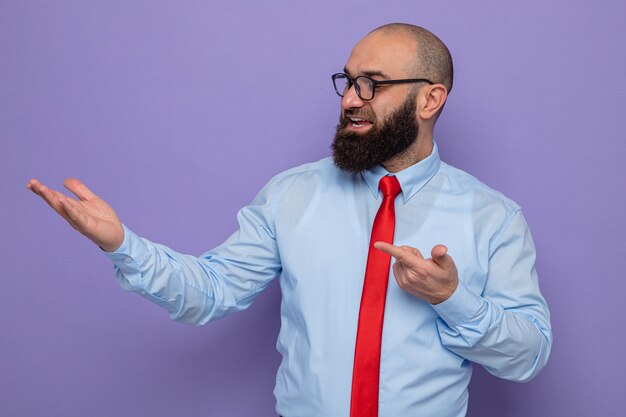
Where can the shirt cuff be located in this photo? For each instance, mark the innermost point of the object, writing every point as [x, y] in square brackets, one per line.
[462, 306]
[131, 254]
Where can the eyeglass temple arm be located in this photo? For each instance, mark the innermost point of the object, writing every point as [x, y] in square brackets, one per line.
[408, 80]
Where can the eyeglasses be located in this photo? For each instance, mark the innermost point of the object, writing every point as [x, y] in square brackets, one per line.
[365, 86]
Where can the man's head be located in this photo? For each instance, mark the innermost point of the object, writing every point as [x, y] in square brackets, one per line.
[394, 128]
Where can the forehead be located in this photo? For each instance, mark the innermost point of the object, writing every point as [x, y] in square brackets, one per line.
[391, 53]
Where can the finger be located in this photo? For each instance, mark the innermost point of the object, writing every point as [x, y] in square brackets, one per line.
[439, 251]
[49, 195]
[33, 185]
[79, 189]
[402, 273]
[395, 251]
[413, 251]
[398, 273]
[74, 212]
[53, 199]
[406, 255]
[440, 256]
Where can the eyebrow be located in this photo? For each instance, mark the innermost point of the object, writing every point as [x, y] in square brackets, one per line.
[369, 73]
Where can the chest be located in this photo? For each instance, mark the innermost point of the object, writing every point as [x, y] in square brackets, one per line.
[323, 238]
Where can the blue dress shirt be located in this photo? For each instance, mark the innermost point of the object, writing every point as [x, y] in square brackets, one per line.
[311, 227]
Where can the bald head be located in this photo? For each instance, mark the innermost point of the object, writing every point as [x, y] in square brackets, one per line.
[432, 59]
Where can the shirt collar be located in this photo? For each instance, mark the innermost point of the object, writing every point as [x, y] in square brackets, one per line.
[411, 179]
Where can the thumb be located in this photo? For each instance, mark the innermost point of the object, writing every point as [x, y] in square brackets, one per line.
[79, 189]
[440, 255]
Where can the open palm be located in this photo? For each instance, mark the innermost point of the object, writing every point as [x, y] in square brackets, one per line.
[90, 215]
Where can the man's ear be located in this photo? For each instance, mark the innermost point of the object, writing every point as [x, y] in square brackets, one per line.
[432, 101]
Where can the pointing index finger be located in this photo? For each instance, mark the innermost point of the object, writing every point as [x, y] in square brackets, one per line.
[406, 255]
[395, 251]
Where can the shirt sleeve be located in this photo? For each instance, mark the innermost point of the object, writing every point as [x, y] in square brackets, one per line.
[199, 289]
[506, 329]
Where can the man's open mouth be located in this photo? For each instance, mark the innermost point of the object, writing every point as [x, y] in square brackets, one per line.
[358, 122]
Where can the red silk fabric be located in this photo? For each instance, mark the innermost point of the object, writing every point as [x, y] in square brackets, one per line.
[366, 373]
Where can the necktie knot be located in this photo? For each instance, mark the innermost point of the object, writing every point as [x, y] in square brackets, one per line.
[389, 186]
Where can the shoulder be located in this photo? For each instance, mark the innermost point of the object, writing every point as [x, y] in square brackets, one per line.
[491, 212]
[323, 167]
[322, 173]
[458, 182]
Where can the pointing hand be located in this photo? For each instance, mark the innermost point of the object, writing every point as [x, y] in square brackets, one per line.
[90, 215]
[433, 280]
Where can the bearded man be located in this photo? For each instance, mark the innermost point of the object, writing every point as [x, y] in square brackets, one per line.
[358, 337]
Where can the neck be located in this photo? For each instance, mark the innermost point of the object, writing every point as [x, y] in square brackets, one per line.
[420, 149]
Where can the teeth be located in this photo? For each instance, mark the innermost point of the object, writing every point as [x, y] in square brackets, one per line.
[358, 122]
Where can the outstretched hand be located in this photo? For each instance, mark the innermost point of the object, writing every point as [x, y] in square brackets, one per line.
[90, 215]
[433, 279]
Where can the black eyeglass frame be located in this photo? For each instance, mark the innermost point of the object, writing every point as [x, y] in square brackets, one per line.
[375, 83]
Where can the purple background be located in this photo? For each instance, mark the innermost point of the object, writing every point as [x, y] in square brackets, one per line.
[178, 112]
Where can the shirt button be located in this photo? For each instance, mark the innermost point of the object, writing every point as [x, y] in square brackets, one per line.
[128, 260]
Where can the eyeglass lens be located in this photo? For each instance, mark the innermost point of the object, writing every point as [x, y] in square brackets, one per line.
[364, 86]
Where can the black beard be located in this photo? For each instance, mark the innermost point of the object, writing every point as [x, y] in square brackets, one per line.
[356, 152]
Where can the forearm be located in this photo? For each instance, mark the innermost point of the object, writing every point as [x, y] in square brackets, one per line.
[511, 343]
[174, 281]
[192, 289]
[224, 280]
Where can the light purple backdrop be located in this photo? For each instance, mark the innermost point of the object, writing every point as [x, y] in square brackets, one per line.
[178, 112]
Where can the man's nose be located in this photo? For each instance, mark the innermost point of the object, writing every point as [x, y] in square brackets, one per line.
[351, 99]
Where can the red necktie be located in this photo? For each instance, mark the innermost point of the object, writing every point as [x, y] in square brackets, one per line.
[364, 401]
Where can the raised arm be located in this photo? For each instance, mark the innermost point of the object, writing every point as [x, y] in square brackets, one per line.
[192, 289]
